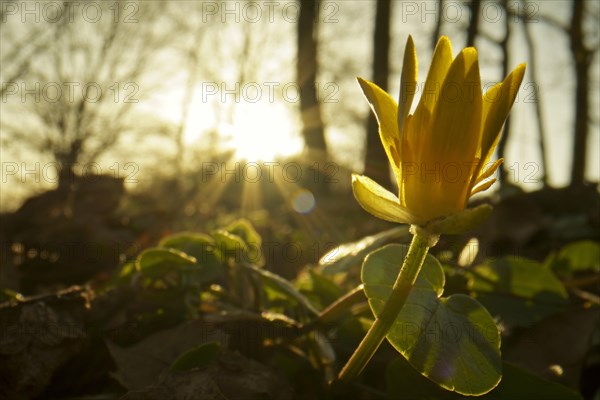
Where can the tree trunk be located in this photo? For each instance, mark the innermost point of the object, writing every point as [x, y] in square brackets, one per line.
[438, 25]
[582, 58]
[68, 160]
[538, 105]
[306, 73]
[376, 162]
[473, 23]
[505, 71]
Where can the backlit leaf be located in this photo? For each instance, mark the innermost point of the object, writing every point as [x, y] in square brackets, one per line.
[451, 340]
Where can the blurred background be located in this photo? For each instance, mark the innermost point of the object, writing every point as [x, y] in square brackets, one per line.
[122, 121]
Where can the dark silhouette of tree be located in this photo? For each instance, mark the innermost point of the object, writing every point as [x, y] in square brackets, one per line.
[438, 24]
[18, 52]
[473, 27]
[582, 58]
[306, 75]
[505, 71]
[532, 68]
[376, 162]
[86, 85]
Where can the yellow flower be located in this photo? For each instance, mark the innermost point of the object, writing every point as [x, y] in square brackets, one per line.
[440, 153]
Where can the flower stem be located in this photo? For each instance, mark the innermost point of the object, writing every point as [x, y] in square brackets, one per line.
[383, 322]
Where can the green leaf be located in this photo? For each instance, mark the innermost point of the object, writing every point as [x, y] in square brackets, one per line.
[195, 244]
[403, 382]
[318, 288]
[451, 340]
[238, 323]
[156, 262]
[230, 244]
[200, 246]
[519, 290]
[578, 256]
[245, 230]
[347, 255]
[282, 286]
[125, 273]
[127, 270]
[197, 357]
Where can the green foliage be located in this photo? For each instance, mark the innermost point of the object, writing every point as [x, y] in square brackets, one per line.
[283, 287]
[320, 289]
[189, 260]
[520, 291]
[195, 244]
[203, 248]
[451, 340]
[577, 257]
[157, 262]
[450, 345]
[227, 242]
[243, 229]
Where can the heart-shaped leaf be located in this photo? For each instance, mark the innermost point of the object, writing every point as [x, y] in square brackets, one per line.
[451, 340]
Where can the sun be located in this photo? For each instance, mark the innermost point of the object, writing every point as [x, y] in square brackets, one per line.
[258, 131]
[263, 132]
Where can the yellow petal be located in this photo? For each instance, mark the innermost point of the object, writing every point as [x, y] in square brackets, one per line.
[378, 201]
[422, 197]
[457, 114]
[386, 110]
[408, 82]
[497, 103]
[440, 63]
[456, 131]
